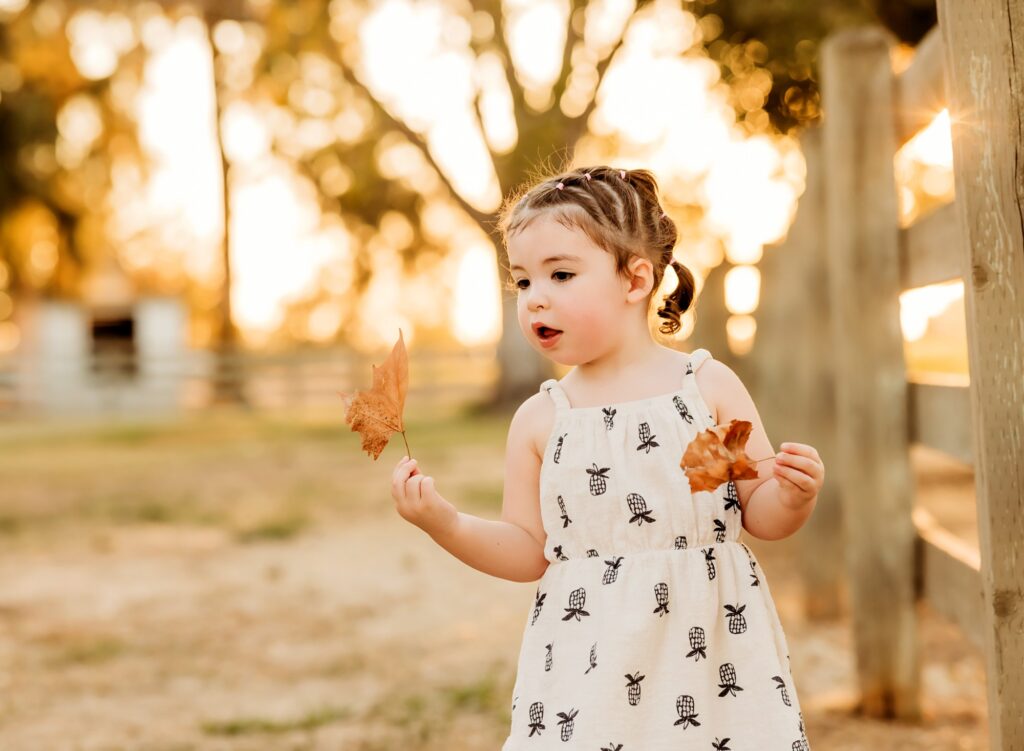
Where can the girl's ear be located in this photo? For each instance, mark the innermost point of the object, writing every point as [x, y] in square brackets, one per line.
[639, 279]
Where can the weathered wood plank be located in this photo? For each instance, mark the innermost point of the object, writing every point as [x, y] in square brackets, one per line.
[930, 248]
[921, 88]
[811, 376]
[949, 576]
[865, 284]
[984, 50]
[940, 417]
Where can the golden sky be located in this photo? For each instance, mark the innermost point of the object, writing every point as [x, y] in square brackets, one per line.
[666, 111]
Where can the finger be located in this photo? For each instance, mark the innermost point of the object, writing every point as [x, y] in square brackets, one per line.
[794, 476]
[412, 488]
[402, 471]
[401, 474]
[803, 463]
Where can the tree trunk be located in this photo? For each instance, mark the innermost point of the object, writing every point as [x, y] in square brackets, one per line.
[229, 375]
[521, 369]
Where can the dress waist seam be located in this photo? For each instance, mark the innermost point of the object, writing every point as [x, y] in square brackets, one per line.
[694, 548]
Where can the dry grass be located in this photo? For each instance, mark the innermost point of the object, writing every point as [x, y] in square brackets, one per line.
[242, 582]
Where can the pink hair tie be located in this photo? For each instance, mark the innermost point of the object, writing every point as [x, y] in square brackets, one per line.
[586, 175]
[560, 186]
[622, 174]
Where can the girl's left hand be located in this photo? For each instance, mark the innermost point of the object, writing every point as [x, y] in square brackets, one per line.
[800, 474]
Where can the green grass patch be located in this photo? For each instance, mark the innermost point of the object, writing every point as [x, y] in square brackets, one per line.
[91, 652]
[259, 725]
[283, 527]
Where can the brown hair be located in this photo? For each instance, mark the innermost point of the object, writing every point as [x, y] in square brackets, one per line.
[620, 212]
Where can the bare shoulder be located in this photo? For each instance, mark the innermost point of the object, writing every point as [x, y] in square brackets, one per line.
[729, 399]
[534, 419]
[712, 376]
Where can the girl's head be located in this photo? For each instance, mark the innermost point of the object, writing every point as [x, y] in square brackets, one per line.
[620, 240]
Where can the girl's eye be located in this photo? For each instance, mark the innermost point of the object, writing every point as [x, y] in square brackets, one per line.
[518, 284]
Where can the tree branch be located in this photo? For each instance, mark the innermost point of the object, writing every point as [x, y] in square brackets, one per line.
[483, 219]
[579, 123]
[572, 37]
[494, 8]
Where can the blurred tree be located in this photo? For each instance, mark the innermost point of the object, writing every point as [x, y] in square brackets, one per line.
[752, 40]
[544, 130]
[784, 35]
[36, 78]
[60, 132]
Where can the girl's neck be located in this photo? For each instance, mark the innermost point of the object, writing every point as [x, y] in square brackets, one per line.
[639, 361]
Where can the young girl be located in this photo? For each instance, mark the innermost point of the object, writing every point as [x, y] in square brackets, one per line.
[653, 626]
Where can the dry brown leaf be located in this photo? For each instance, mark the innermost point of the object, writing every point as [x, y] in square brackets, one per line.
[377, 413]
[716, 455]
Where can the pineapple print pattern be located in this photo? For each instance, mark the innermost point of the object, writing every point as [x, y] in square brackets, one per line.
[598, 479]
[558, 448]
[647, 441]
[567, 723]
[638, 506]
[685, 710]
[633, 537]
[709, 558]
[593, 659]
[536, 717]
[661, 595]
[727, 675]
[538, 603]
[633, 688]
[612, 572]
[732, 498]
[566, 521]
[577, 599]
[698, 644]
[737, 623]
[683, 410]
[781, 685]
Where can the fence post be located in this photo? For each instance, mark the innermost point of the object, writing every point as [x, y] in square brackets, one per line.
[813, 377]
[984, 80]
[871, 390]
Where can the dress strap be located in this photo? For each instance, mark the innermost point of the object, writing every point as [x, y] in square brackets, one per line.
[697, 358]
[554, 389]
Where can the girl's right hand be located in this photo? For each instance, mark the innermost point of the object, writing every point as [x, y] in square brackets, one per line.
[418, 502]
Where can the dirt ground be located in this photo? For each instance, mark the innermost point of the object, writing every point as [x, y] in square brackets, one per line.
[237, 582]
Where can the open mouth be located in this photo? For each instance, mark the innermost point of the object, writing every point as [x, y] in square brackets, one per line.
[546, 333]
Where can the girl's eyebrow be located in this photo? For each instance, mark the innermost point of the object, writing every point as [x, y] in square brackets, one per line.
[563, 257]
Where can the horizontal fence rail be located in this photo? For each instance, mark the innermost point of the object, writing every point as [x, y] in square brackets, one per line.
[122, 382]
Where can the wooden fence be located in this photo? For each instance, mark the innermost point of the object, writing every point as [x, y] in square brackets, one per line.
[852, 260]
[131, 384]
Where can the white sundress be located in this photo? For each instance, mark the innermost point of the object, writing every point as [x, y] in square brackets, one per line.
[653, 627]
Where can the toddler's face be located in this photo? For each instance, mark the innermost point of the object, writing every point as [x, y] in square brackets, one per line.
[580, 294]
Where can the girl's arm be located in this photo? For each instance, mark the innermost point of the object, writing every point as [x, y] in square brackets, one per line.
[778, 502]
[511, 548]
